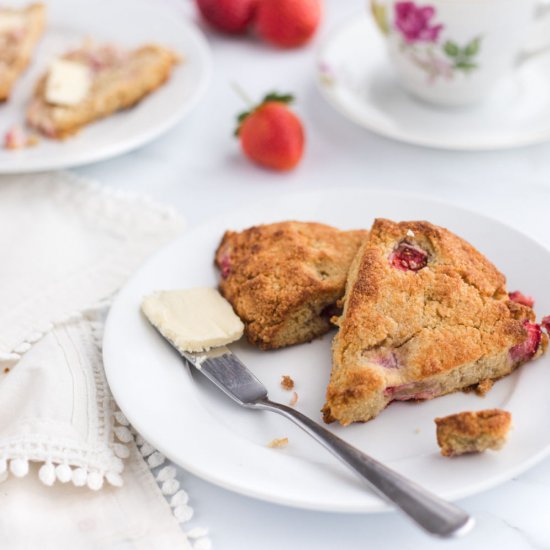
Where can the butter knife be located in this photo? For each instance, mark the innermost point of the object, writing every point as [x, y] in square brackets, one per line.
[435, 515]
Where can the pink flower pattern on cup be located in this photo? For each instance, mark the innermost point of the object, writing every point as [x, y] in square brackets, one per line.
[422, 41]
[413, 22]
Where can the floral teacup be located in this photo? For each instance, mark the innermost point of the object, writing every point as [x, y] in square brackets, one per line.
[453, 52]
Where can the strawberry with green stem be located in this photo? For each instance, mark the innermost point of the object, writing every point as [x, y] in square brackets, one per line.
[270, 134]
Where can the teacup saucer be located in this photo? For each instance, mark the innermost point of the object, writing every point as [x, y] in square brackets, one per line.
[355, 77]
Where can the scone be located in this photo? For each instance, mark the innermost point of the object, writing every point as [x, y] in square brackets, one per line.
[20, 30]
[424, 314]
[284, 279]
[472, 432]
[93, 82]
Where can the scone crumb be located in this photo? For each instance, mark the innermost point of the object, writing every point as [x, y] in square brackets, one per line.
[278, 443]
[287, 383]
[6, 370]
[294, 399]
[32, 141]
[15, 138]
[484, 386]
[472, 432]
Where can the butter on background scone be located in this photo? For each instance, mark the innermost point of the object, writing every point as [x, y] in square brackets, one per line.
[93, 82]
[472, 432]
[424, 314]
[20, 30]
[284, 279]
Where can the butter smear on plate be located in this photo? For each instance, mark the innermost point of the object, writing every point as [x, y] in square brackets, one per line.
[194, 319]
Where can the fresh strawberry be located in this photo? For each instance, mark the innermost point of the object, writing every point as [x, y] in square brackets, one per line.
[288, 23]
[230, 16]
[271, 134]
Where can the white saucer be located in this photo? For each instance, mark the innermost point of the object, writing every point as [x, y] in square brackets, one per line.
[355, 77]
[69, 23]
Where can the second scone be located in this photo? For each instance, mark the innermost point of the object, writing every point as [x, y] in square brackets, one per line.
[284, 279]
[425, 314]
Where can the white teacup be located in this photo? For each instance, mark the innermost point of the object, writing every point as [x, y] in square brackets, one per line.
[453, 52]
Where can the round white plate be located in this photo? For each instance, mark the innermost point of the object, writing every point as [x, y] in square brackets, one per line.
[201, 429]
[128, 23]
[354, 75]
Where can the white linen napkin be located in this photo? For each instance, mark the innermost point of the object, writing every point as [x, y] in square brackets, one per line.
[67, 245]
[55, 408]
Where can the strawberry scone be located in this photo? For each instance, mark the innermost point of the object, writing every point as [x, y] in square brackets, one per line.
[424, 314]
[20, 30]
[284, 279]
[93, 82]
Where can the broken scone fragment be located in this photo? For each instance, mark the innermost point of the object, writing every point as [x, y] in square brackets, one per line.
[425, 314]
[193, 320]
[472, 432]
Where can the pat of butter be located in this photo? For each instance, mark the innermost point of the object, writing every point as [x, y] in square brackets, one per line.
[196, 319]
[11, 22]
[68, 82]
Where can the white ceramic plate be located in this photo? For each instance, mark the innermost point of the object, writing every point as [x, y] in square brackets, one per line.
[199, 428]
[128, 23]
[355, 77]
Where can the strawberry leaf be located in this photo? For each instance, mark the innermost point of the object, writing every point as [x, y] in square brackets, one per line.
[270, 97]
[240, 120]
[282, 98]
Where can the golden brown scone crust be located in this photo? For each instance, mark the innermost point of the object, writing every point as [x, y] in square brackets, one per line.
[419, 334]
[472, 432]
[280, 277]
[14, 58]
[113, 89]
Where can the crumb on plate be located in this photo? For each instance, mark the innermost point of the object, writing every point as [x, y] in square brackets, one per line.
[278, 443]
[16, 138]
[286, 382]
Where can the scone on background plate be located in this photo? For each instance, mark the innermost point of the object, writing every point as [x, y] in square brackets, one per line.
[424, 314]
[472, 432]
[284, 279]
[20, 30]
[93, 82]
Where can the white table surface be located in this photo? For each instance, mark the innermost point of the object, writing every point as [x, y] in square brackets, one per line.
[198, 169]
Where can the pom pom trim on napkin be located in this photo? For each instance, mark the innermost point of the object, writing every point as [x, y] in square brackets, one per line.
[80, 461]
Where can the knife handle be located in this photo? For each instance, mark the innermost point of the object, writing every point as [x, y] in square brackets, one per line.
[435, 515]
